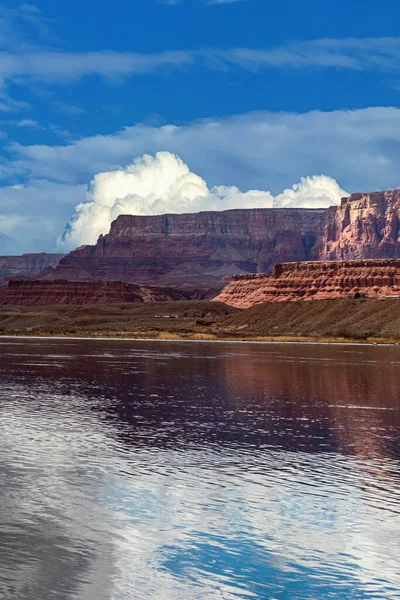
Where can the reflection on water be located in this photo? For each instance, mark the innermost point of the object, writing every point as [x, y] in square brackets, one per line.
[198, 471]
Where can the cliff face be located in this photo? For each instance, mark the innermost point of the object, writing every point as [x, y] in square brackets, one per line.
[46, 293]
[195, 250]
[364, 226]
[27, 264]
[199, 251]
[315, 281]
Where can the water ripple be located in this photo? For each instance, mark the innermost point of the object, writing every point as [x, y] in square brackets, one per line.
[139, 470]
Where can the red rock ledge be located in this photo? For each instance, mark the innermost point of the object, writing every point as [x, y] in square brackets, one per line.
[315, 281]
[46, 293]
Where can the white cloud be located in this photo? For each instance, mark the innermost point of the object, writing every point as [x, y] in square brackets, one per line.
[32, 63]
[312, 192]
[63, 67]
[347, 53]
[264, 151]
[66, 67]
[360, 148]
[164, 184]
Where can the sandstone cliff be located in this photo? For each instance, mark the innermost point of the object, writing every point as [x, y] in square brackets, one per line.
[364, 226]
[46, 293]
[195, 250]
[315, 281]
[27, 264]
[198, 252]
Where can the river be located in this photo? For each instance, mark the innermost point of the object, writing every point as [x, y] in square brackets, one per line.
[189, 470]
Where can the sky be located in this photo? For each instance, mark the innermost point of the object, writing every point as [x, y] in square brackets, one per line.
[184, 105]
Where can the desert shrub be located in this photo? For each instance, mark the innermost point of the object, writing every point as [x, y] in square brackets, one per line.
[167, 335]
[203, 336]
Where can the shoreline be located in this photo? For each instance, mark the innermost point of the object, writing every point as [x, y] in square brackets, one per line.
[169, 337]
[371, 322]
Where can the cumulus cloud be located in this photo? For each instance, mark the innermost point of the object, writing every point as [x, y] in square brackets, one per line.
[312, 192]
[358, 148]
[164, 184]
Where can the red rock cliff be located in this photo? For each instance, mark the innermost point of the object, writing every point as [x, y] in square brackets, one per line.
[195, 250]
[46, 293]
[27, 264]
[364, 226]
[315, 281]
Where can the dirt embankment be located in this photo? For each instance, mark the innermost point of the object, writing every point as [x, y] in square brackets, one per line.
[177, 318]
[361, 319]
[336, 318]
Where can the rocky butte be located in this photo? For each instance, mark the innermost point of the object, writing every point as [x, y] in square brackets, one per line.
[315, 280]
[194, 251]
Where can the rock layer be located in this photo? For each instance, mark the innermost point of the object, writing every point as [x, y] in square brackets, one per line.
[364, 226]
[27, 264]
[46, 293]
[315, 281]
[199, 251]
[195, 250]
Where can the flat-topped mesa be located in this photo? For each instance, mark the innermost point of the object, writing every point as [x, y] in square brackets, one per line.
[363, 226]
[235, 222]
[46, 293]
[314, 281]
[195, 250]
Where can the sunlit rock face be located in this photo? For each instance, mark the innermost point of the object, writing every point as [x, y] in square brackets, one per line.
[315, 280]
[364, 226]
[200, 250]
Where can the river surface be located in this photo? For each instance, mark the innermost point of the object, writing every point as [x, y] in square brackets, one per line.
[191, 471]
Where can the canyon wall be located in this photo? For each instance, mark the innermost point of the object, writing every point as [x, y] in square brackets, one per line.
[46, 293]
[315, 280]
[200, 252]
[194, 251]
[364, 226]
[27, 264]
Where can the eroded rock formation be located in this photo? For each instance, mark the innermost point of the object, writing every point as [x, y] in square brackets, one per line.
[198, 252]
[27, 264]
[195, 250]
[364, 226]
[46, 293]
[315, 281]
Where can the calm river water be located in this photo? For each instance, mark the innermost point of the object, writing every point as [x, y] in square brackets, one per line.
[186, 471]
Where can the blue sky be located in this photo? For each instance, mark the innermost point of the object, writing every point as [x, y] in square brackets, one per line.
[249, 93]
